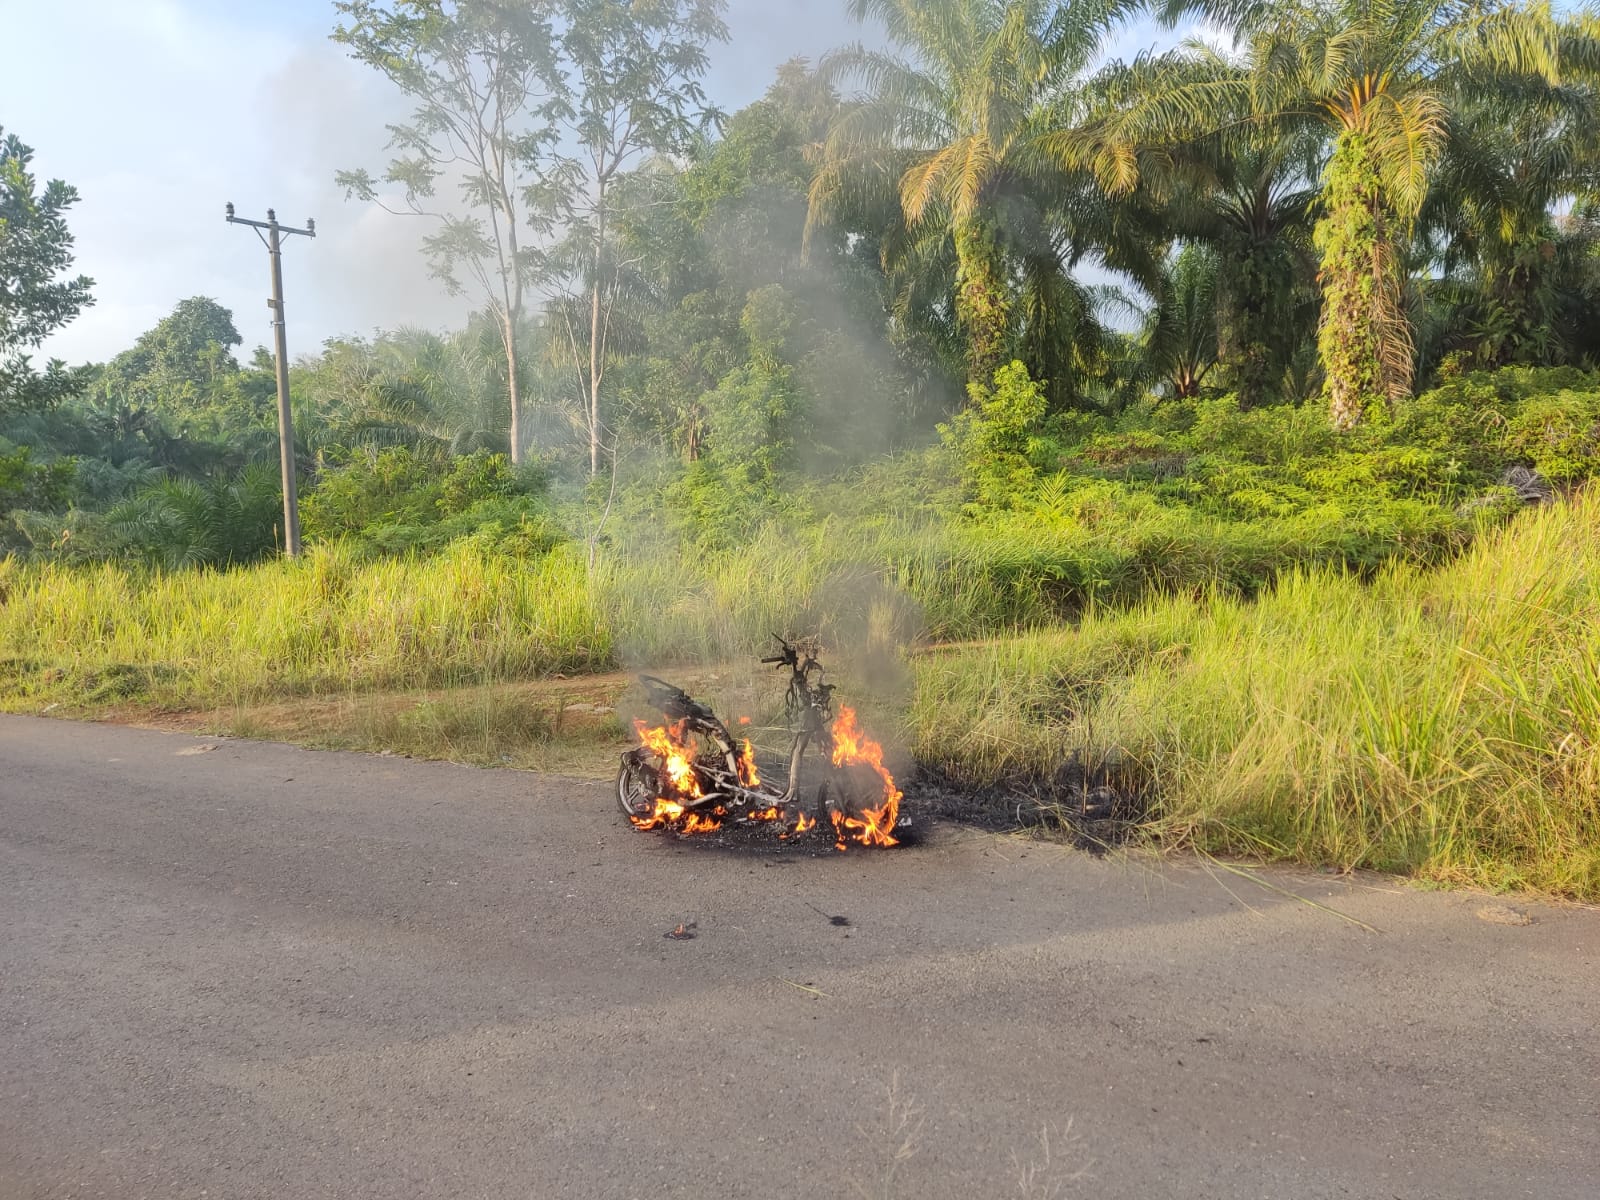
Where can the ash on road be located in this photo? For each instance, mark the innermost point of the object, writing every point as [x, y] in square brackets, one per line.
[243, 970]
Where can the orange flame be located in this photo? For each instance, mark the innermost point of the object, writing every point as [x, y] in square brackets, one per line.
[668, 744]
[851, 746]
[699, 824]
[681, 787]
[748, 775]
[801, 824]
[677, 757]
[665, 813]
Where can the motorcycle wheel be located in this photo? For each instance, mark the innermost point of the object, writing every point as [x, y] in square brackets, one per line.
[636, 788]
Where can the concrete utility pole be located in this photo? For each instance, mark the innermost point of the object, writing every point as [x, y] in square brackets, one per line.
[272, 241]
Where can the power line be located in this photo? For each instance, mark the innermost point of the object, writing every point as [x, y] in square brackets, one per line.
[273, 242]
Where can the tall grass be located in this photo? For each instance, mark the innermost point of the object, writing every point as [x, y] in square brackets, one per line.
[340, 620]
[325, 622]
[1445, 723]
[334, 621]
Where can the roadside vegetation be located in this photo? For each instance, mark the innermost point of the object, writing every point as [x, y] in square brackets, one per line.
[1444, 723]
[1278, 522]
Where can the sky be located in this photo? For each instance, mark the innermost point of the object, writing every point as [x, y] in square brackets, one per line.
[161, 111]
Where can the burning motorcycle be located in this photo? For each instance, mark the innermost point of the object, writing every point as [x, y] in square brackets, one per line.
[691, 774]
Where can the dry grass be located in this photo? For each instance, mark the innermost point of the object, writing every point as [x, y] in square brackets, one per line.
[569, 727]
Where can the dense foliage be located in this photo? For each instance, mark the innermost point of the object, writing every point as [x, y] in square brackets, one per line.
[1209, 282]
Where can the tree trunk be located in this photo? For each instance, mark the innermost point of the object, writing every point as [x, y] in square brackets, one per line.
[597, 335]
[508, 333]
[982, 308]
[594, 373]
[1364, 340]
[1253, 304]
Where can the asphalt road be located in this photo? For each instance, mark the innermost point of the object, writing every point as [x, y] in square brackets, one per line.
[258, 971]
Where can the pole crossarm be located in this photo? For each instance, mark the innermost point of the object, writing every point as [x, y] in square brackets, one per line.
[272, 223]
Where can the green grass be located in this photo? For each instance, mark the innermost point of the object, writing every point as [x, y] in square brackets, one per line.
[1442, 723]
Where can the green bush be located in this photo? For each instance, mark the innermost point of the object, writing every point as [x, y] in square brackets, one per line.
[1559, 435]
[219, 522]
[25, 484]
[473, 479]
[713, 505]
[394, 486]
[397, 501]
[516, 526]
[999, 438]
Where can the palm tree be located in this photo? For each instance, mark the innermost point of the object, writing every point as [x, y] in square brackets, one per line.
[1378, 77]
[960, 128]
[437, 394]
[1180, 345]
[217, 521]
[1247, 196]
[1509, 265]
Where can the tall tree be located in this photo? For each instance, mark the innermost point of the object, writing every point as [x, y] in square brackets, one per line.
[489, 94]
[964, 123]
[187, 359]
[635, 75]
[1378, 77]
[35, 249]
[738, 313]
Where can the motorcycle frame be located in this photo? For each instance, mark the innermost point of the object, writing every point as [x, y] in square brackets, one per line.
[725, 778]
[812, 703]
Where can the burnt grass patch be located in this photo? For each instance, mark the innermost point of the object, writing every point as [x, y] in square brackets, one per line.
[1092, 809]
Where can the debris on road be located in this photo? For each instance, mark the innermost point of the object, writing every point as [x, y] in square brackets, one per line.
[841, 922]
